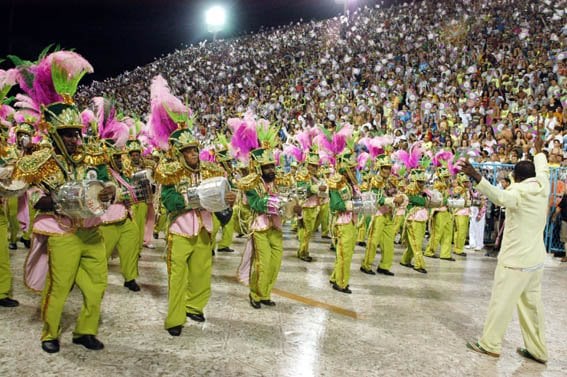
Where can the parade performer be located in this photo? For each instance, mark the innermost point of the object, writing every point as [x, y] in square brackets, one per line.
[261, 260]
[189, 245]
[441, 220]
[462, 215]
[76, 249]
[381, 229]
[118, 229]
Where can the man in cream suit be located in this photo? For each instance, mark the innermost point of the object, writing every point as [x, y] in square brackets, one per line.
[517, 279]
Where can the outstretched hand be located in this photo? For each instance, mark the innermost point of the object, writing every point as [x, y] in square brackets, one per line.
[469, 170]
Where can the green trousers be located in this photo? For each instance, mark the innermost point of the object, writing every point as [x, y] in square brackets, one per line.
[346, 240]
[521, 290]
[398, 222]
[414, 234]
[124, 237]
[380, 233]
[323, 219]
[13, 218]
[189, 267]
[266, 263]
[441, 234]
[227, 233]
[362, 226]
[306, 230]
[77, 258]
[461, 232]
[140, 212]
[161, 223]
[242, 218]
[5, 272]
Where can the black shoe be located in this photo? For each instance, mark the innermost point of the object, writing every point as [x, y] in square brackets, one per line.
[175, 330]
[326, 237]
[332, 282]
[268, 302]
[343, 290]
[254, 304]
[432, 256]
[156, 236]
[12, 246]
[332, 248]
[525, 353]
[225, 250]
[369, 272]
[196, 317]
[89, 341]
[461, 254]
[363, 244]
[8, 302]
[50, 346]
[450, 259]
[422, 270]
[27, 243]
[132, 285]
[384, 272]
[409, 265]
[306, 258]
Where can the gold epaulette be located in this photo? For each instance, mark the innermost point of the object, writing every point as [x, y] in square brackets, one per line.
[149, 163]
[250, 182]
[459, 190]
[413, 189]
[168, 172]
[377, 182]
[210, 170]
[440, 186]
[336, 181]
[96, 159]
[37, 167]
[303, 176]
[284, 180]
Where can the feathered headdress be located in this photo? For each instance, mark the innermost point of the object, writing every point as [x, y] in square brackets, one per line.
[168, 115]
[331, 145]
[253, 136]
[411, 159]
[8, 79]
[109, 127]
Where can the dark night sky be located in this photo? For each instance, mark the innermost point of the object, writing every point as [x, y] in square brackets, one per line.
[118, 35]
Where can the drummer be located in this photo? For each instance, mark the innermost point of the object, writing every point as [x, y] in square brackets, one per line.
[5, 272]
[416, 221]
[142, 210]
[189, 251]
[308, 178]
[77, 254]
[441, 220]
[462, 215]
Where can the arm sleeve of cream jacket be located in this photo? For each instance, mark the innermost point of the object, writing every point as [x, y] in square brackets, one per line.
[542, 171]
[509, 198]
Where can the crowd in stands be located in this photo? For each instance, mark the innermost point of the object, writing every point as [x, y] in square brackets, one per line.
[472, 76]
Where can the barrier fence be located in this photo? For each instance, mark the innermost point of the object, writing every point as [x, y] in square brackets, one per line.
[494, 216]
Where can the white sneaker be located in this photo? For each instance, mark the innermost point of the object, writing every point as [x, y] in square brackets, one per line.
[149, 246]
[468, 247]
[478, 248]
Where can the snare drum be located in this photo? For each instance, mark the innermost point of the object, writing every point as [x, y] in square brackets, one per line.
[12, 188]
[456, 203]
[79, 200]
[434, 199]
[212, 193]
[366, 204]
[142, 182]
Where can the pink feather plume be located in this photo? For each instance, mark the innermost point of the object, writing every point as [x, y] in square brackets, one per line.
[362, 159]
[290, 150]
[440, 157]
[244, 136]
[163, 103]
[207, 154]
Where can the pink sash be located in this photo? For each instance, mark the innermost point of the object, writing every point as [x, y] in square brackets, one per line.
[126, 185]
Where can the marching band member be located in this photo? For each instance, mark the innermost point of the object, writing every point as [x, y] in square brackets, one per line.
[308, 179]
[381, 229]
[189, 244]
[5, 273]
[223, 221]
[262, 257]
[441, 220]
[143, 209]
[462, 215]
[76, 252]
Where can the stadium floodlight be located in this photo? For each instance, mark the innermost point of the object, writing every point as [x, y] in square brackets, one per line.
[215, 18]
[346, 4]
